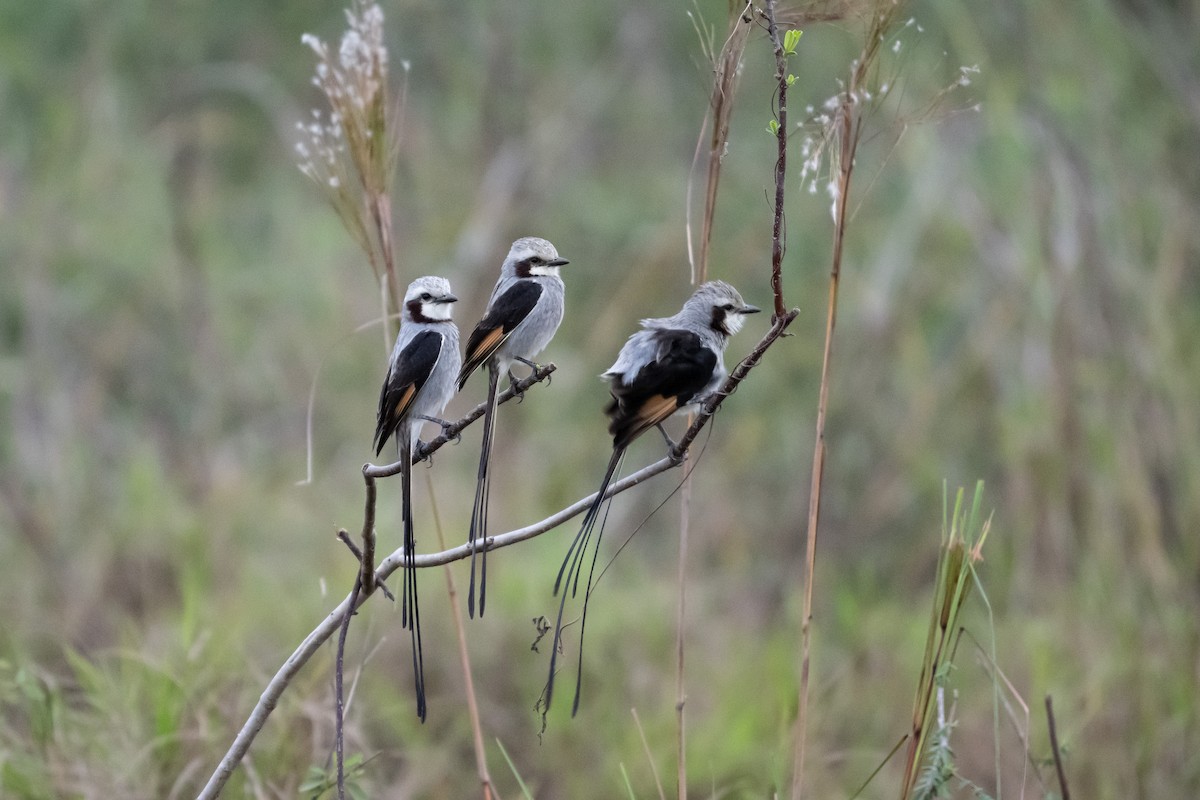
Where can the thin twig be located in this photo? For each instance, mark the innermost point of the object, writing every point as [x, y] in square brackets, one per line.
[685, 498]
[485, 778]
[879, 767]
[367, 565]
[649, 756]
[1062, 774]
[316, 382]
[1022, 730]
[343, 536]
[339, 704]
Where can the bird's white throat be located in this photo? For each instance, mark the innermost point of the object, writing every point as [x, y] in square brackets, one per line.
[439, 312]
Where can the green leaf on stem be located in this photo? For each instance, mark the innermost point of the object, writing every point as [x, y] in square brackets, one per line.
[790, 40]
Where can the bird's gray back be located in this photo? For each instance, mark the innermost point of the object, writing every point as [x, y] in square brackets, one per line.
[639, 350]
[647, 345]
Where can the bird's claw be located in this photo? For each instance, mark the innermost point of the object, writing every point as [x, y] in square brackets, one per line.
[423, 455]
[536, 367]
[446, 427]
[514, 386]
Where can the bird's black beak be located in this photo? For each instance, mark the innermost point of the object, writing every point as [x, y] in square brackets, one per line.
[557, 262]
[748, 309]
[446, 298]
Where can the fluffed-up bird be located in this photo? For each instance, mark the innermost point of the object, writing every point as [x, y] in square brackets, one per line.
[672, 364]
[419, 384]
[522, 316]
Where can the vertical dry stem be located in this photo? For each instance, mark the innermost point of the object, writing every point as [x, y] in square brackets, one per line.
[680, 687]
[847, 141]
[485, 778]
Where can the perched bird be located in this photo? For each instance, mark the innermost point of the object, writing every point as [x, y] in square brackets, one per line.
[523, 313]
[672, 364]
[419, 383]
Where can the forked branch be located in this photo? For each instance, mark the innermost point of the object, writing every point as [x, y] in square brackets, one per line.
[330, 624]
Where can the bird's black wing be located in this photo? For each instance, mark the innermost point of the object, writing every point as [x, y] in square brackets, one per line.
[662, 387]
[507, 312]
[406, 375]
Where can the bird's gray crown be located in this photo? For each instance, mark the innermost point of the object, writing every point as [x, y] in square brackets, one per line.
[528, 246]
[715, 294]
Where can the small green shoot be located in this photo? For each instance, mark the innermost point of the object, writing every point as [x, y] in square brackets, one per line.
[320, 779]
[790, 40]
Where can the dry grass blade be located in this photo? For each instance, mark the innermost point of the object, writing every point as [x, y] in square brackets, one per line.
[724, 89]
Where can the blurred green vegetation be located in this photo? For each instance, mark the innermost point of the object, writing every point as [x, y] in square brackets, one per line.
[1021, 304]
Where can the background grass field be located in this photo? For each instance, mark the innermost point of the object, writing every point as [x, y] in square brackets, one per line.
[1020, 304]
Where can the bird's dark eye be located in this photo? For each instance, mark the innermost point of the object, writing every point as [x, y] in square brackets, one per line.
[535, 260]
[728, 306]
[426, 297]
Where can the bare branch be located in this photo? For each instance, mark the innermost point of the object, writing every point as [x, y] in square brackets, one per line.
[338, 689]
[343, 536]
[367, 570]
[296, 661]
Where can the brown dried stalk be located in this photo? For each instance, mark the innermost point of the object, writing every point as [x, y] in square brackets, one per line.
[847, 123]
